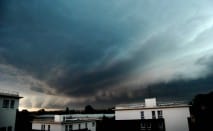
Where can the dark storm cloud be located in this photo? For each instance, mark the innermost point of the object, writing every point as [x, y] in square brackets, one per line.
[111, 51]
[34, 30]
[42, 38]
[206, 60]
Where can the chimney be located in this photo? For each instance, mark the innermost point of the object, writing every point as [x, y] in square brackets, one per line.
[150, 102]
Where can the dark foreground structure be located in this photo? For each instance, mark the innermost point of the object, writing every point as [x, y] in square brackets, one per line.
[201, 119]
[131, 125]
[202, 113]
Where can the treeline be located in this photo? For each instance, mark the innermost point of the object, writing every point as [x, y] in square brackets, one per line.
[87, 110]
[202, 113]
[25, 117]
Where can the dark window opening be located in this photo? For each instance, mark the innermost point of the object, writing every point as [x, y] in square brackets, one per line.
[5, 104]
[48, 127]
[12, 104]
[70, 127]
[43, 127]
[153, 115]
[66, 128]
[9, 128]
[142, 115]
[152, 125]
[93, 124]
[160, 114]
[3, 129]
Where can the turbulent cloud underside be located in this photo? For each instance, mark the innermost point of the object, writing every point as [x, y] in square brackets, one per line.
[83, 52]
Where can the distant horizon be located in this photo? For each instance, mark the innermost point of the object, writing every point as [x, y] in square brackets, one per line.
[112, 106]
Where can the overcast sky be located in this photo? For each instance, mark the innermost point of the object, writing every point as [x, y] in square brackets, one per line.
[59, 53]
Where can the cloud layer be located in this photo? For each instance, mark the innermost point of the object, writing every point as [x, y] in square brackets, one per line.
[93, 51]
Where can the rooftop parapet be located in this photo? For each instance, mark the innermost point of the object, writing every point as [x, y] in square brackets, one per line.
[7, 93]
[151, 103]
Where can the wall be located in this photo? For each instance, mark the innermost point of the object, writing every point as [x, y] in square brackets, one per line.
[8, 115]
[60, 127]
[175, 118]
[83, 126]
[127, 115]
[53, 127]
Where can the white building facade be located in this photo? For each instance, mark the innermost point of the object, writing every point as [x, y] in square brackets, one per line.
[9, 103]
[174, 116]
[64, 123]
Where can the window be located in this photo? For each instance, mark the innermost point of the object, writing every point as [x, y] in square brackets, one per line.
[66, 127]
[64, 119]
[160, 114]
[149, 125]
[142, 115]
[93, 124]
[3, 129]
[48, 127]
[9, 128]
[153, 115]
[5, 104]
[43, 127]
[143, 125]
[160, 125]
[12, 104]
[70, 127]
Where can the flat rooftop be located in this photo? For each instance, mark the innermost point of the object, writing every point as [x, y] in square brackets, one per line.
[67, 121]
[9, 94]
[156, 105]
[70, 118]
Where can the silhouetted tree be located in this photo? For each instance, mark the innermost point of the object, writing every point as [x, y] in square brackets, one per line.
[23, 121]
[89, 109]
[67, 110]
[201, 112]
[41, 111]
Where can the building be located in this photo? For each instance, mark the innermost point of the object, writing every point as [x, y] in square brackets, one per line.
[156, 116]
[63, 123]
[9, 102]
